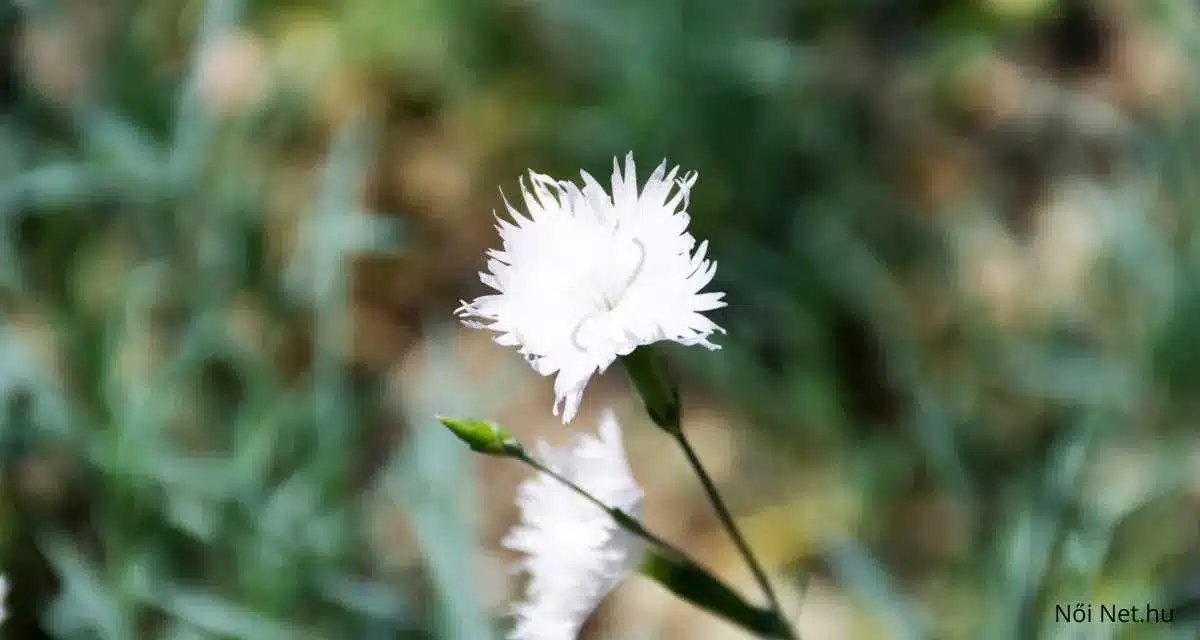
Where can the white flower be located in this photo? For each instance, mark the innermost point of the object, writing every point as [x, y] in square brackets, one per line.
[588, 277]
[3, 598]
[576, 553]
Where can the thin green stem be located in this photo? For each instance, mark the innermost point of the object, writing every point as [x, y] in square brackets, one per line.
[731, 526]
[627, 522]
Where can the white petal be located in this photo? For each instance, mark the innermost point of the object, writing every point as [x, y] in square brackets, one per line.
[708, 301]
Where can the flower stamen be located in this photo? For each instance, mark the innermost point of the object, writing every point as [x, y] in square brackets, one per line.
[637, 269]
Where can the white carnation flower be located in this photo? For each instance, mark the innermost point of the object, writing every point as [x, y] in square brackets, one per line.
[576, 553]
[589, 277]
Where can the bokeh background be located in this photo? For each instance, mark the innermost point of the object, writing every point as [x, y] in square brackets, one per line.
[959, 241]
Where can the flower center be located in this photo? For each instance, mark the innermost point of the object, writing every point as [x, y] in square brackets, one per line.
[610, 295]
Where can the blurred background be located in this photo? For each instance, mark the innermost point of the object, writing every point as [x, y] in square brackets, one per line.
[960, 243]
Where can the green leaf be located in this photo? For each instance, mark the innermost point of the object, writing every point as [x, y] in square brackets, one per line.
[86, 602]
[223, 618]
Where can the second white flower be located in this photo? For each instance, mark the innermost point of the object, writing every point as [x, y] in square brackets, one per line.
[575, 553]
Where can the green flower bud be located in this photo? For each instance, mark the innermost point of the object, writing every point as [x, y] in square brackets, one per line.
[658, 391]
[484, 437]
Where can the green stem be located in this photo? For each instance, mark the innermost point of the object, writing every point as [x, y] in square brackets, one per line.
[626, 521]
[660, 395]
[678, 573]
[730, 524]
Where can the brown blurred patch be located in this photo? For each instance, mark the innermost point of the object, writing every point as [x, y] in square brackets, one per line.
[377, 341]
[54, 60]
[59, 54]
[934, 532]
[941, 171]
[991, 90]
[43, 477]
[233, 73]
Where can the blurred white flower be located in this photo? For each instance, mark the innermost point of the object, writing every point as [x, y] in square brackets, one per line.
[576, 553]
[589, 277]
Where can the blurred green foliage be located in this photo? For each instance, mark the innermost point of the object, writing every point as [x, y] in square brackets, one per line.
[192, 444]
